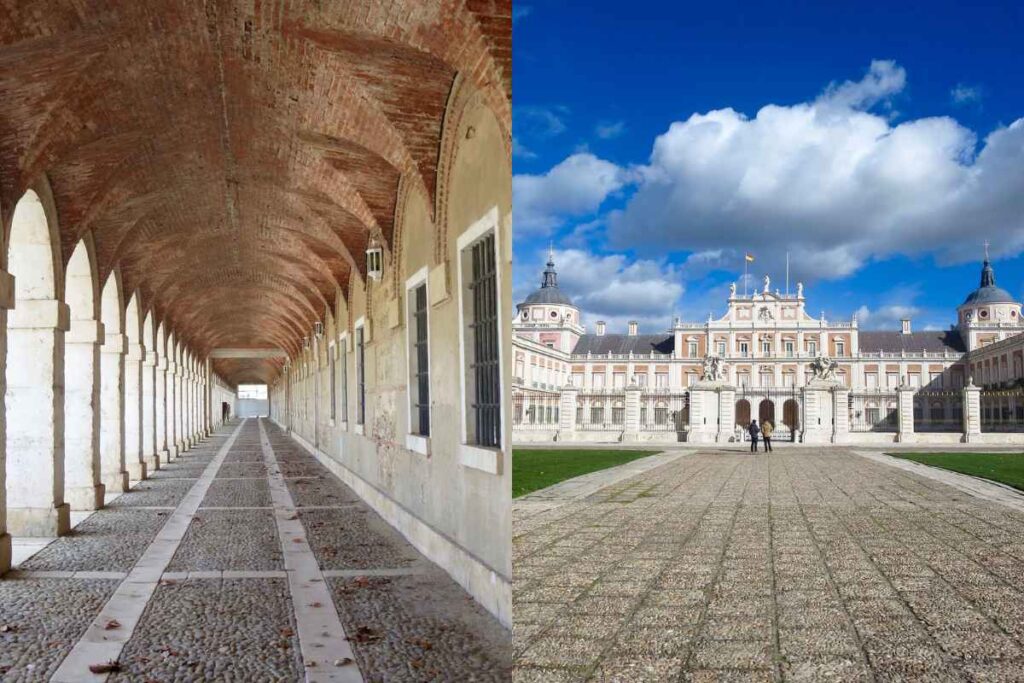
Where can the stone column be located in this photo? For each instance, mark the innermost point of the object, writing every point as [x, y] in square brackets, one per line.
[841, 413]
[726, 413]
[905, 413]
[972, 412]
[35, 419]
[6, 302]
[82, 487]
[134, 395]
[113, 470]
[631, 431]
[179, 440]
[818, 405]
[172, 441]
[567, 413]
[160, 407]
[151, 446]
[704, 417]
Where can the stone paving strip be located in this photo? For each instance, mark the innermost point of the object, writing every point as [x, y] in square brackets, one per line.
[806, 565]
[103, 644]
[326, 652]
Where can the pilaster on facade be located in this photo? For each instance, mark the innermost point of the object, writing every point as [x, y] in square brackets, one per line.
[82, 487]
[113, 469]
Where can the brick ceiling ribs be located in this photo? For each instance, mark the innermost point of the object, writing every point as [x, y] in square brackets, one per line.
[233, 157]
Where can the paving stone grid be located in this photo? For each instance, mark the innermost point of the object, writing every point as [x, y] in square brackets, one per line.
[805, 566]
[223, 609]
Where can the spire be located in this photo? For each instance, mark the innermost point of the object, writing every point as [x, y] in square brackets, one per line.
[988, 275]
[550, 276]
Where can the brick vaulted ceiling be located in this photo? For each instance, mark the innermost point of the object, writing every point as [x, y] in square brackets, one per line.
[232, 157]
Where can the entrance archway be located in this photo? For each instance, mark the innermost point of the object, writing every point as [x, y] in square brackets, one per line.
[791, 415]
[766, 411]
[743, 413]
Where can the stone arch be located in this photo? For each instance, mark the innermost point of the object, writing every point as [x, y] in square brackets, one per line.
[791, 414]
[134, 357]
[34, 393]
[743, 413]
[766, 411]
[83, 490]
[113, 471]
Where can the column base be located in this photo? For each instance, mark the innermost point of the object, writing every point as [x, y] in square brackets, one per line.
[85, 497]
[169, 453]
[906, 437]
[116, 483]
[138, 471]
[152, 462]
[39, 522]
[5, 553]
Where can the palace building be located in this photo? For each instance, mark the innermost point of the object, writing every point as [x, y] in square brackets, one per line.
[769, 349]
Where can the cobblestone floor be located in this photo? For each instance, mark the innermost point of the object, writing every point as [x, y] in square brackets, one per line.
[802, 566]
[223, 610]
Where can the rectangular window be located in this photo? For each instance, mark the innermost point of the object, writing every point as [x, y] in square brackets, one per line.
[812, 348]
[721, 348]
[692, 349]
[484, 362]
[360, 378]
[333, 380]
[840, 348]
[744, 349]
[661, 380]
[597, 380]
[872, 380]
[892, 380]
[766, 348]
[419, 360]
[344, 379]
[789, 348]
[619, 380]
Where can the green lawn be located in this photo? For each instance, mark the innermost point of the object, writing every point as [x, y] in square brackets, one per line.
[1006, 468]
[537, 468]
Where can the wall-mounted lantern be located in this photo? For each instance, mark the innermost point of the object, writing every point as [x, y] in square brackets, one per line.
[374, 260]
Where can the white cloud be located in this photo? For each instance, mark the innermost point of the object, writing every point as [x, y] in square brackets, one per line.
[520, 11]
[617, 289]
[886, 317]
[541, 122]
[830, 181]
[521, 151]
[607, 130]
[575, 187]
[965, 94]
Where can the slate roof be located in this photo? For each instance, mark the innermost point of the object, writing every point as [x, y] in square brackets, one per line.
[547, 295]
[873, 341]
[624, 343]
[988, 292]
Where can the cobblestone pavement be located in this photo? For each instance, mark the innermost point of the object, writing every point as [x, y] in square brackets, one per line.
[223, 609]
[802, 566]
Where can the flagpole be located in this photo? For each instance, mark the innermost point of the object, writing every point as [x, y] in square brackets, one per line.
[787, 274]
[744, 275]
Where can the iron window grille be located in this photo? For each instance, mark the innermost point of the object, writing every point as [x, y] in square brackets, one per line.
[421, 355]
[344, 380]
[486, 401]
[334, 389]
[360, 378]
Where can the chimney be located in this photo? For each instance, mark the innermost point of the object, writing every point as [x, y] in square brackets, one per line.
[906, 325]
[600, 328]
[632, 328]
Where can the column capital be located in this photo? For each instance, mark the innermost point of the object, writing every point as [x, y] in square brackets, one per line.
[172, 367]
[85, 332]
[40, 314]
[114, 343]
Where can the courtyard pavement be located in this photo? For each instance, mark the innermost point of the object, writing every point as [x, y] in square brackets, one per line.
[242, 560]
[803, 565]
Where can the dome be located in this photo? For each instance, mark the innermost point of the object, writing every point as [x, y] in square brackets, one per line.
[549, 293]
[988, 292]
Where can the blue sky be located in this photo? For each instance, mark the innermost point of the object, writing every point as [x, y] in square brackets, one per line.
[875, 142]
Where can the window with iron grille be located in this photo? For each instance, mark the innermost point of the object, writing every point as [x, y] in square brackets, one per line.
[344, 380]
[419, 363]
[484, 364]
[360, 378]
[334, 388]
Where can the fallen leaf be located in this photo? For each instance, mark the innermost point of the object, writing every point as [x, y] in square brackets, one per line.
[107, 668]
[112, 624]
[287, 632]
[364, 634]
[315, 604]
[344, 661]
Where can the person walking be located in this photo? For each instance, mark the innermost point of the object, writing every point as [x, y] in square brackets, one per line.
[753, 430]
[766, 433]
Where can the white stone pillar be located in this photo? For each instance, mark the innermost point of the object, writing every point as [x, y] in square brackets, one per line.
[82, 487]
[113, 470]
[631, 431]
[172, 434]
[726, 413]
[704, 416]
[150, 443]
[35, 419]
[133, 407]
[179, 442]
[818, 406]
[567, 413]
[841, 413]
[905, 413]
[6, 302]
[972, 412]
[160, 406]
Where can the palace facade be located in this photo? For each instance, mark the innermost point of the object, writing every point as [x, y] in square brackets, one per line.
[769, 349]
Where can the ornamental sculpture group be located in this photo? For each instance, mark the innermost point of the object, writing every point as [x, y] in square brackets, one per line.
[822, 367]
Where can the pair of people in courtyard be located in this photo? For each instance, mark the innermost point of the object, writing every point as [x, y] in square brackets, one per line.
[764, 432]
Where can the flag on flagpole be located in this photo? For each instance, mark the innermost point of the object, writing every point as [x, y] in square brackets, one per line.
[749, 258]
